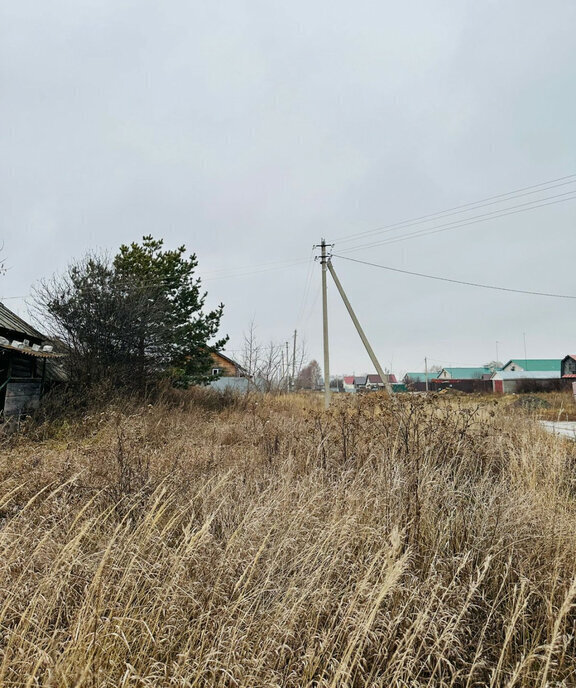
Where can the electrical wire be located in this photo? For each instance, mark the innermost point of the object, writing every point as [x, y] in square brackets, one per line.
[280, 265]
[229, 272]
[307, 283]
[455, 281]
[255, 272]
[485, 217]
[466, 207]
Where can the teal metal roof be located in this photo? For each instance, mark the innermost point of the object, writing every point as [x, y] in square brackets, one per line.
[469, 373]
[421, 377]
[535, 364]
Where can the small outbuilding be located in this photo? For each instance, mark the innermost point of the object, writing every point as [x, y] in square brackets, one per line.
[513, 381]
[568, 366]
[25, 357]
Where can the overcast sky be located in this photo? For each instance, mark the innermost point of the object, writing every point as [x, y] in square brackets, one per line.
[248, 130]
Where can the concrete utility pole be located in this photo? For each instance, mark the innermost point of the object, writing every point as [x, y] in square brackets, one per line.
[294, 363]
[323, 262]
[426, 372]
[287, 370]
[525, 354]
[375, 362]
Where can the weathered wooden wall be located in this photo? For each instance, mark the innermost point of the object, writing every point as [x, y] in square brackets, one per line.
[228, 369]
[21, 396]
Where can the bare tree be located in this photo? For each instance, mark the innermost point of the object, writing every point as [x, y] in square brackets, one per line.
[310, 376]
[267, 365]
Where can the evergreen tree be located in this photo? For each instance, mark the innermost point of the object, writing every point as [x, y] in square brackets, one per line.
[137, 317]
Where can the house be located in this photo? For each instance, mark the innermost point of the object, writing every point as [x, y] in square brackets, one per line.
[374, 382]
[360, 383]
[513, 381]
[478, 373]
[232, 376]
[568, 366]
[349, 384]
[226, 367]
[25, 355]
[532, 364]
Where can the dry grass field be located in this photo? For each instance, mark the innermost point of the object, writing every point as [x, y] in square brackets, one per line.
[264, 542]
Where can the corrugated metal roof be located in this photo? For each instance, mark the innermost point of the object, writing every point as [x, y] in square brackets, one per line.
[30, 352]
[535, 363]
[11, 321]
[468, 373]
[526, 375]
[421, 377]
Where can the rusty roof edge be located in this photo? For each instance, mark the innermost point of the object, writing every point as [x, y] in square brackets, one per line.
[31, 352]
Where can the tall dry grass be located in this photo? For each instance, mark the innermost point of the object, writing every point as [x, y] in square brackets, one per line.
[405, 542]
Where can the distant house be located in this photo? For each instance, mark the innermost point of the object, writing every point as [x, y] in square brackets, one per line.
[568, 366]
[360, 383]
[533, 364]
[349, 386]
[374, 382]
[224, 366]
[479, 373]
[232, 376]
[26, 358]
[512, 381]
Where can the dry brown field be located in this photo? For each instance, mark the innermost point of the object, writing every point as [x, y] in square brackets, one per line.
[264, 542]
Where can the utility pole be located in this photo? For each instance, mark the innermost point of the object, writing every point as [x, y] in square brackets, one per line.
[426, 372]
[525, 356]
[497, 359]
[294, 363]
[323, 262]
[287, 370]
[359, 329]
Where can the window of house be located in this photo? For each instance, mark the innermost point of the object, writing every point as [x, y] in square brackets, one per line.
[216, 371]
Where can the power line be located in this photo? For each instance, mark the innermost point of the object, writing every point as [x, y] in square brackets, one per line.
[485, 217]
[455, 281]
[230, 271]
[250, 272]
[307, 284]
[281, 265]
[420, 221]
[465, 207]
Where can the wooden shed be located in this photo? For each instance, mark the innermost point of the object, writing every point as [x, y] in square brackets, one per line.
[24, 355]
